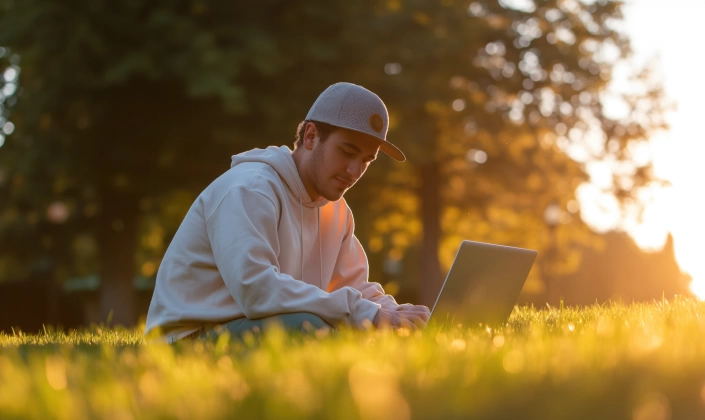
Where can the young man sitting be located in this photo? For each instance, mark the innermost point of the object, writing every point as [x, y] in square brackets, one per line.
[272, 239]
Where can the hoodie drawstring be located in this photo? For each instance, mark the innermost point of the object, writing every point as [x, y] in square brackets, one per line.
[301, 242]
[320, 253]
[301, 236]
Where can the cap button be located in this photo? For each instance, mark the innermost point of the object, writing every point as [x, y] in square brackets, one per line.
[376, 122]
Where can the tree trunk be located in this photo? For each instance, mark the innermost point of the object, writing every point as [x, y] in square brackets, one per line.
[548, 272]
[430, 218]
[117, 243]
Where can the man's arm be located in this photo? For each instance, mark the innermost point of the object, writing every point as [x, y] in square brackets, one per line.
[351, 269]
[243, 236]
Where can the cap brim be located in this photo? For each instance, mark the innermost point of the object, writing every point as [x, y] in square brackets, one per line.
[388, 148]
[391, 150]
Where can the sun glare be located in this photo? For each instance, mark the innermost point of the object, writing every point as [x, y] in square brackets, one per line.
[697, 286]
[679, 154]
[680, 158]
[677, 209]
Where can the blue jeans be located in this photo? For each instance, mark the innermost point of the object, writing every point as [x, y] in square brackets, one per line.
[301, 322]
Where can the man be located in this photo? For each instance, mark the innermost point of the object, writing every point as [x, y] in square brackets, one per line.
[272, 239]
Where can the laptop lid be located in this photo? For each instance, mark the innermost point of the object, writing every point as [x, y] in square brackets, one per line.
[483, 284]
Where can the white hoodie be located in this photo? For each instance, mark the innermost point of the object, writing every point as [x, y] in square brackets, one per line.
[253, 245]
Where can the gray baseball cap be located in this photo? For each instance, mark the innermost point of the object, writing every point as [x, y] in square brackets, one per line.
[351, 106]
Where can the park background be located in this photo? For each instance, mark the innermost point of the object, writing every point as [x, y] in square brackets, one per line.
[563, 126]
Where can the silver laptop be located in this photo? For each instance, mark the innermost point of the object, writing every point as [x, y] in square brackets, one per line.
[483, 284]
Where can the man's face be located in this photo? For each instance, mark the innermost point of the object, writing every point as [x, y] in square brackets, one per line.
[340, 161]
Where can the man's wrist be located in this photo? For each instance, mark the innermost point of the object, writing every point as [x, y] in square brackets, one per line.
[364, 313]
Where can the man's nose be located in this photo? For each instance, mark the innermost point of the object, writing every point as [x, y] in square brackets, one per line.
[355, 169]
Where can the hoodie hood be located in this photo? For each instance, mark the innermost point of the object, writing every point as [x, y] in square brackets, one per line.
[281, 159]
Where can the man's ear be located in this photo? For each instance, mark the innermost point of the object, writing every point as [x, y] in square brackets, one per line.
[310, 135]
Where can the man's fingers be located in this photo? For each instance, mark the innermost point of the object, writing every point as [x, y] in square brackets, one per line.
[385, 320]
[404, 320]
[406, 323]
[416, 318]
[421, 314]
[418, 321]
[398, 321]
[426, 313]
[408, 307]
[422, 308]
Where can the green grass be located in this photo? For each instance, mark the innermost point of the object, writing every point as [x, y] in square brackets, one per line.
[640, 361]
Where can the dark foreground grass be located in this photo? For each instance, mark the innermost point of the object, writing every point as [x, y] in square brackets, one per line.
[640, 361]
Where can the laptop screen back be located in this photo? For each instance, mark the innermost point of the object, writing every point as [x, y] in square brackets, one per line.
[483, 284]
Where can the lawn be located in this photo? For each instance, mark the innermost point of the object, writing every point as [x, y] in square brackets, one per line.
[610, 361]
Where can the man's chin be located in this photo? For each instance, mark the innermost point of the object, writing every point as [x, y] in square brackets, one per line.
[335, 196]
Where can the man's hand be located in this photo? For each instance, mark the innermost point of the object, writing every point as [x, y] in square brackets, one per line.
[404, 316]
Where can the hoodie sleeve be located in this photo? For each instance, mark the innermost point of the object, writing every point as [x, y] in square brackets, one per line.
[351, 269]
[243, 235]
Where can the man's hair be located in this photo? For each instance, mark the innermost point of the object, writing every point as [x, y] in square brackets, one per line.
[323, 130]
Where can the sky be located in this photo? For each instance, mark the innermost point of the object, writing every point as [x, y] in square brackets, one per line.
[672, 33]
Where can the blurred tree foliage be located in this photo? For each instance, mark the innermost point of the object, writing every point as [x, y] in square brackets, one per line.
[126, 110]
[500, 106]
